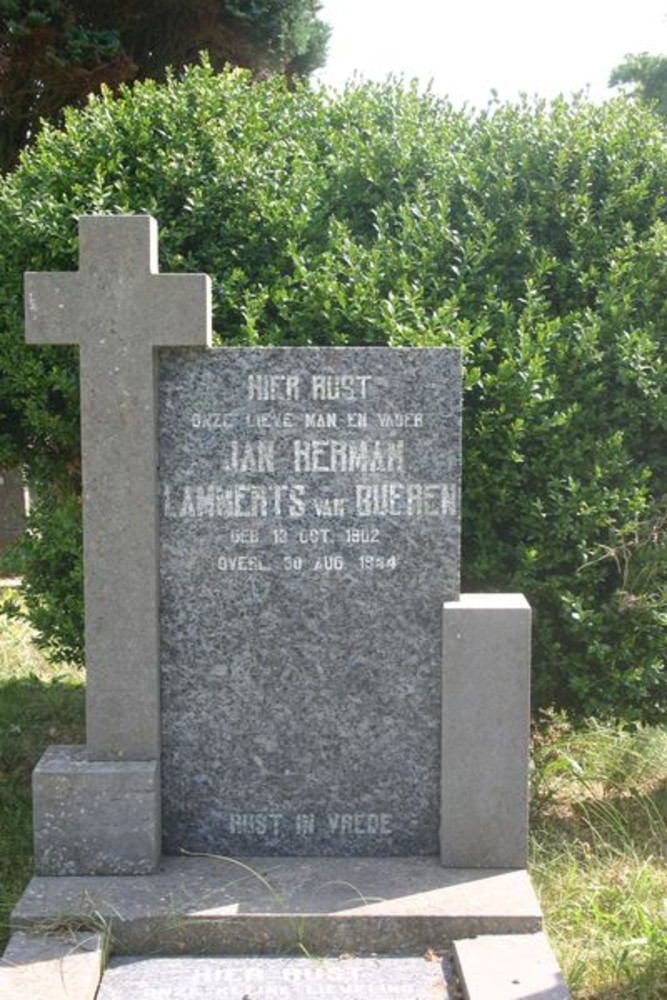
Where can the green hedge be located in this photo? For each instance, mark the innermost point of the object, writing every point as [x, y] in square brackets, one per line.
[534, 236]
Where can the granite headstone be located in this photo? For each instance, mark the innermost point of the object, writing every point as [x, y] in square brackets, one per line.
[12, 507]
[309, 537]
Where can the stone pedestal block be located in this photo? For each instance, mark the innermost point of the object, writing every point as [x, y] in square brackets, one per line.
[485, 729]
[95, 817]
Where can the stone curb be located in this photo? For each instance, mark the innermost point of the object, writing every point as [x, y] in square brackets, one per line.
[509, 967]
[59, 966]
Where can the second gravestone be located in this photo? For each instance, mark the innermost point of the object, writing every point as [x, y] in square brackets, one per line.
[309, 537]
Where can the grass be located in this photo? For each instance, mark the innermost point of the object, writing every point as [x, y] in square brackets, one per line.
[39, 705]
[598, 840]
[598, 851]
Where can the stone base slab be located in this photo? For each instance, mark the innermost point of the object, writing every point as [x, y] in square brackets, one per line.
[268, 906]
[60, 966]
[95, 817]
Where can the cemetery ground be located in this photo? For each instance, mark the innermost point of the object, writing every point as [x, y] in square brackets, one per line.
[598, 824]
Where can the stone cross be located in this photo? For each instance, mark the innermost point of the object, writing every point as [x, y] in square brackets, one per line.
[119, 309]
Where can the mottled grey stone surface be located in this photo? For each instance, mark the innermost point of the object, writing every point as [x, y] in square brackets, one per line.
[275, 979]
[485, 730]
[117, 308]
[95, 817]
[309, 535]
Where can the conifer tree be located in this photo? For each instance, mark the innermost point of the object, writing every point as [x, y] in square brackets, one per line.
[53, 53]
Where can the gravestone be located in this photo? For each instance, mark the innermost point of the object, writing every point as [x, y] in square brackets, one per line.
[309, 680]
[12, 507]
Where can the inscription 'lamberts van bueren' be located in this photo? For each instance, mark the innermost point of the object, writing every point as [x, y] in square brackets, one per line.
[309, 535]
